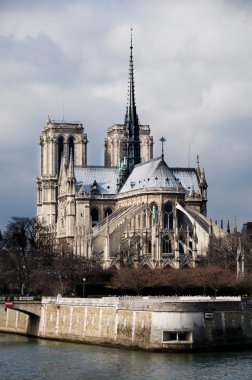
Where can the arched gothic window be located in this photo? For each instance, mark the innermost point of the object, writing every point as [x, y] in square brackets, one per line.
[94, 216]
[70, 148]
[168, 216]
[149, 246]
[60, 151]
[153, 213]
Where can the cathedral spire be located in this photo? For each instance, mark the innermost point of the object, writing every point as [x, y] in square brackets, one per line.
[132, 148]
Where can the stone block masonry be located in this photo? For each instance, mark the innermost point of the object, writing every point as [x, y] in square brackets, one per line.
[150, 323]
[99, 321]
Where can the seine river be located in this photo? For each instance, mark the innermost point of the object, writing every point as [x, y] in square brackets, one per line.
[25, 358]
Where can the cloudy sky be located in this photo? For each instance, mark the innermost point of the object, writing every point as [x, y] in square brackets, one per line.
[193, 72]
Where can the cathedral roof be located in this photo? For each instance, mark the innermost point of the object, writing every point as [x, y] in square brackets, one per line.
[152, 174]
[105, 178]
[188, 178]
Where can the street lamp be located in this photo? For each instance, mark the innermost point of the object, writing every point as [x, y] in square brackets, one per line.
[83, 287]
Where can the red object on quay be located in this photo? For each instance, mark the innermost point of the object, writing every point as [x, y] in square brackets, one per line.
[8, 303]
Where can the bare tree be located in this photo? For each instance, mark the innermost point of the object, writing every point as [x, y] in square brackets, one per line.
[223, 250]
[19, 244]
[214, 279]
[27, 250]
[178, 280]
[135, 279]
[244, 285]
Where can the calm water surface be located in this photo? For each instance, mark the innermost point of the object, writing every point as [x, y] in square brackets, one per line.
[25, 358]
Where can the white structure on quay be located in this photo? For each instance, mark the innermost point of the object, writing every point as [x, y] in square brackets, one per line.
[135, 209]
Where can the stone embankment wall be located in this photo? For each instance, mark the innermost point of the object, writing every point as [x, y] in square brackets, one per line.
[172, 324]
[13, 321]
[102, 321]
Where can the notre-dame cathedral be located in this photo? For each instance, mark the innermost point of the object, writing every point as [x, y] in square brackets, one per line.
[135, 209]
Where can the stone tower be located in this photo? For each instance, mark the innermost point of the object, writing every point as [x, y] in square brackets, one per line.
[59, 142]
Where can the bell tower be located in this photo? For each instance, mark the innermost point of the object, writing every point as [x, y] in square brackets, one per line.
[58, 140]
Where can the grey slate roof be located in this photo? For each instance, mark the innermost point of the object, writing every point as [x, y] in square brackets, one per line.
[106, 178]
[187, 177]
[152, 174]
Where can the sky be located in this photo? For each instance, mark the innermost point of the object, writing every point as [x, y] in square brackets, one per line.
[69, 59]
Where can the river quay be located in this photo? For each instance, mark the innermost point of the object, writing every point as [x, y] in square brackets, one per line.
[175, 324]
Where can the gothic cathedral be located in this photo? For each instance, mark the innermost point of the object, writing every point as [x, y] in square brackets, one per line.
[134, 210]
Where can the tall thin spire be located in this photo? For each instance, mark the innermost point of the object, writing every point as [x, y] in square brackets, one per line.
[132, 151]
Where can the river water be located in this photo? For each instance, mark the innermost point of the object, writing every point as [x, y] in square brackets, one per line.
[27, 358]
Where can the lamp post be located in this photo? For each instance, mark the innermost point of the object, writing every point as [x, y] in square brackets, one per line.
[83, 287]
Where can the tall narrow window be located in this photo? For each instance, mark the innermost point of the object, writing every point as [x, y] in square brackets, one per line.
[70, 148]
[94, 216]
[153, 214]
[144, 218]
[168, 216]
[149, 246]
[60, 151]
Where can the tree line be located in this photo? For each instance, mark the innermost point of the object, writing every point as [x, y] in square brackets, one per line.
[30, 263]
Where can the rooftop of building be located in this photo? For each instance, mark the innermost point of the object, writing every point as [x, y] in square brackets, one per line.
[154, 173]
